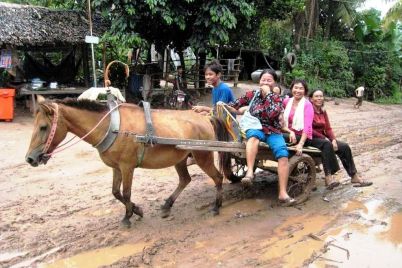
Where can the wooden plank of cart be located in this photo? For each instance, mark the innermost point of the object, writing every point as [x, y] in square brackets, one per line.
[302, 169]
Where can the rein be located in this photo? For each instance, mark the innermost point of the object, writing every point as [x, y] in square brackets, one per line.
[53, 132]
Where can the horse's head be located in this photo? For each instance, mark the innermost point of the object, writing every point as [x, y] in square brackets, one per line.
[48, 132]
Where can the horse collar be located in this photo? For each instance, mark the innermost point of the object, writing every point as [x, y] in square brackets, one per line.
[52, 129]
[114, 127]
[149, 135]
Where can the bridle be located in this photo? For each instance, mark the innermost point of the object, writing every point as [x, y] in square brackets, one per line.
[53, 129]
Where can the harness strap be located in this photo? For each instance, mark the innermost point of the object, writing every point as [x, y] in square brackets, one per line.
[140, 156]
[149, 133]
[150, 138]
[114, 127]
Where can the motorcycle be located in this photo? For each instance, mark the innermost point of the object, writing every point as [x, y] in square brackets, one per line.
[179, 99]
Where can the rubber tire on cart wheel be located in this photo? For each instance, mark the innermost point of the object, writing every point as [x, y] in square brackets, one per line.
[302, 175]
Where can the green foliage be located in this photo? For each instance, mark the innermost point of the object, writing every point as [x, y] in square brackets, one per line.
[395, 98]
[368, 26]
[394, 14]
[280, 9]
[273, 38]
[377, 58]
[177, 23]
[325, 65]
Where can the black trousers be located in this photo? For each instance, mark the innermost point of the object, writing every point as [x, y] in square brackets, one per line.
[328, 155]
[359, 101]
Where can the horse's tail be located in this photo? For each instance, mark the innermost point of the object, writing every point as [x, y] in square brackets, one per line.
[221, 134]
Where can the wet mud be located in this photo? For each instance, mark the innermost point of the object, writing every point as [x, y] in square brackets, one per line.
[64, 214]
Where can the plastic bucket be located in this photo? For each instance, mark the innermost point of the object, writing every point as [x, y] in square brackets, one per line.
[7, 104]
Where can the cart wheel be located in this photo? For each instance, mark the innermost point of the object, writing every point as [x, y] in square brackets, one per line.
[301, 177]
[239, 169]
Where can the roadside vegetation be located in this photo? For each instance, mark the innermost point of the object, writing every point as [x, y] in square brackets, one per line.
[338, 48]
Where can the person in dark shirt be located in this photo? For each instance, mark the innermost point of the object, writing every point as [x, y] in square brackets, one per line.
[325, 140]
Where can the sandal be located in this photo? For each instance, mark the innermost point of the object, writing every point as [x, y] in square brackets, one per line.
[363, 183]
[248, 179]
[287, 202]
[333, 185]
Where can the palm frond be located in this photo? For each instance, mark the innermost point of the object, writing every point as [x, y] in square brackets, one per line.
[394, 14]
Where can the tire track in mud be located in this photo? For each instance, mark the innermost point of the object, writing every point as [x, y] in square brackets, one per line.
[74, 211]
[371, 130]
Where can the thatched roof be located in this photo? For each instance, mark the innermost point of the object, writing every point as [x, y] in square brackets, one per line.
[32, 26]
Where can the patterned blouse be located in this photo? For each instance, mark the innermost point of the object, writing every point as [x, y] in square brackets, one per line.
[267, 109]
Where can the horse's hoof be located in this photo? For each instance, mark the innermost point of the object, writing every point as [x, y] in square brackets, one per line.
[138, 211]
[165, 213]
[126, 223]
[215, 212]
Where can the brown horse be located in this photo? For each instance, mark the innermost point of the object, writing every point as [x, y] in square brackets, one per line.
[79, 117]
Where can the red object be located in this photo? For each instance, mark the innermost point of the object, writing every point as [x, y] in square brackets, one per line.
[7, 103]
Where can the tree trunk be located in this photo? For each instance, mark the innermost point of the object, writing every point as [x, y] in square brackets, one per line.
[298, 22]
[312, 10]
[182, 62]
[328, 25]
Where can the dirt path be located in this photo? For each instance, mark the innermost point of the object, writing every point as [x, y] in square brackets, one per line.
[64, 215]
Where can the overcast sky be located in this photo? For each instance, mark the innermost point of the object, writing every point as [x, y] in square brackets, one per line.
[378, 4]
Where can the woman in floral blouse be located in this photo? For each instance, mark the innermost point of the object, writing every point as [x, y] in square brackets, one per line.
[268, 108]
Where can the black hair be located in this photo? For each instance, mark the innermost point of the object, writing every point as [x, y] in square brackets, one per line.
[215, 66]
[301, 81]
[271, 72]
[314, 91]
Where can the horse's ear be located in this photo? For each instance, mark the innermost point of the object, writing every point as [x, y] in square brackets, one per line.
[40, 98]
[46, 107]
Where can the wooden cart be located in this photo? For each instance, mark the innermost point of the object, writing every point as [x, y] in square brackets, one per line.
[302, 169]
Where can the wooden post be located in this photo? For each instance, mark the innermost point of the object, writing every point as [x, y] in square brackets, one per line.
[104, 61]
[85, 65]
[237, 72]
[197, 71]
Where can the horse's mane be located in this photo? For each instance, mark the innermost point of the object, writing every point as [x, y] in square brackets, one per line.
[84, 104]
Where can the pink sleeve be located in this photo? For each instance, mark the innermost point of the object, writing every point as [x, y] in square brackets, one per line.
[285, 101]
[308, 119]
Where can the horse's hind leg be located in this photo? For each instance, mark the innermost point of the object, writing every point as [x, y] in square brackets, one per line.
[184, 180]
[126, 197]
[205, 161]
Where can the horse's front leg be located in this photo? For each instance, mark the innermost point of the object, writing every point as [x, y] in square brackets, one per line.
[205, 161]
[184, 180]
[125, 176]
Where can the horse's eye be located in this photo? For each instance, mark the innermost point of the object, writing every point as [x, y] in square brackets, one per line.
[43, 128]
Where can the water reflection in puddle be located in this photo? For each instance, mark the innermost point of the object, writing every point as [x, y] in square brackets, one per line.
[367, 248]
[290, 240]
[368, 209]
[99, 257]
[394, 234]
[5, 256]
[373, 240]
[240, 209]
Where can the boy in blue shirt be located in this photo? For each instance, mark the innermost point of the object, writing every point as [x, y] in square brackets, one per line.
[220, 91]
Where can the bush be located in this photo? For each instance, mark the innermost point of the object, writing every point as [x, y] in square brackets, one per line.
[325, 65]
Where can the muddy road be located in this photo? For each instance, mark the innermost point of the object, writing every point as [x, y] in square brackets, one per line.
[64, 214]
